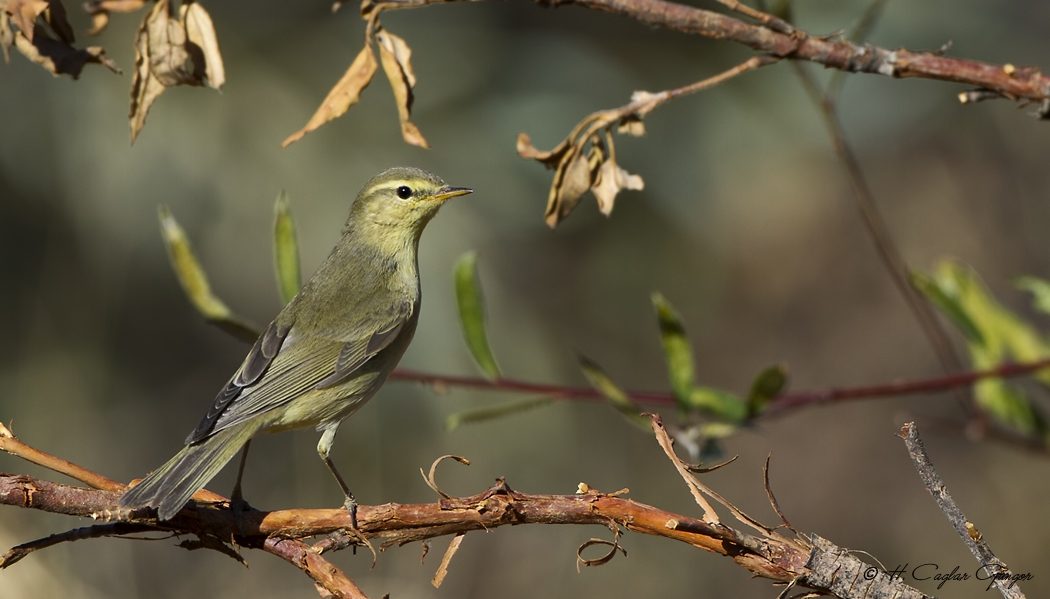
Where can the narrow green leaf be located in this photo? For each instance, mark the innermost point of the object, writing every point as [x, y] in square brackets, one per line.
[945, 296]
[619, 400]
[717, 403]
[508, 408]
[1040, 290]
[677, 352]
[472, 314]
[195, 282]
[767, 385]
[286, 249]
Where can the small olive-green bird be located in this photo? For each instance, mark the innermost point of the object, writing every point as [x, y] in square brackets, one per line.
[328, 351]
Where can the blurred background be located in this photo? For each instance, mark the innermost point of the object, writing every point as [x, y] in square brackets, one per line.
[747, 224]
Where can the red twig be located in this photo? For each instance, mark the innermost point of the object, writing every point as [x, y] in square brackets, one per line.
[782, 403]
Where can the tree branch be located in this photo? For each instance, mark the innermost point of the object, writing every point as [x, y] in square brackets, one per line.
[283, 533]
[1008, 81]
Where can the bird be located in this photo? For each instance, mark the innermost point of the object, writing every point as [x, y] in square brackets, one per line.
[326, 353]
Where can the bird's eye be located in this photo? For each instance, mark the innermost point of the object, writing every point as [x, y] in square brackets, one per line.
[404, 192]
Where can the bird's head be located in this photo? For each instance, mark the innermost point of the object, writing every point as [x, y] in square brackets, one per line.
[401, 200]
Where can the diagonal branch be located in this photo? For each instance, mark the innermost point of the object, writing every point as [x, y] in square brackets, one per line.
[1015, 83]
[996, 569]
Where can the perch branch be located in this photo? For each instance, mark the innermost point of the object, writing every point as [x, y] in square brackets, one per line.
[283, 532]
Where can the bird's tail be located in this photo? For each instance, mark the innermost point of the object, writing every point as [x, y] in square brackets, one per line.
[169, 487]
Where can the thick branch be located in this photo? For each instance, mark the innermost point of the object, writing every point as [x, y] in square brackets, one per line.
[283, 533]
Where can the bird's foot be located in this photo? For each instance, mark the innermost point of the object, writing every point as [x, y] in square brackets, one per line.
[238, 507]
[351, 507]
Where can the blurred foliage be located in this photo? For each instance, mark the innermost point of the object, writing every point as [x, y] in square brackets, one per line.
[195, 282]
[472, 314]
[286, 250]
[994, 336]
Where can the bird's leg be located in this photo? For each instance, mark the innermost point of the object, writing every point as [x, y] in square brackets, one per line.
[237, 503]
[324, 447]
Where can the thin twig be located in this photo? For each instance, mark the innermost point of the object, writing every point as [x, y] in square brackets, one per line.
[998, 572]
[77, 534]
[780, 405]
[879, 232]
[10, 443]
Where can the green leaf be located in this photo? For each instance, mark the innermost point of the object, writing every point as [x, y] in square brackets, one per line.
[497, 411]
[718, 403]
[718, 430]
[601, 381]
[1002, 336]
[286, 250]
[472, 314]
[195, 282]
[1010, 406]
[767, 385]
[945, 296]
[1040, 291]
[677, 352]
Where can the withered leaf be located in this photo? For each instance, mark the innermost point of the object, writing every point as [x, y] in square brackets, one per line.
[396, 55]
[611, 179]
[58, 57]
[571, 180]
[345, 94]
[24, 13]
[164, 57]
[7, 37]
[55, 16]
[631, 125]
[100, 9]
[202, 38]
[551, 159]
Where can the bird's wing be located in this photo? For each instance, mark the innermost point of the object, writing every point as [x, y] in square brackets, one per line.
[284, 363]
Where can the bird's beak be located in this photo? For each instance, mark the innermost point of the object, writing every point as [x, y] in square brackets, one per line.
[450, 192]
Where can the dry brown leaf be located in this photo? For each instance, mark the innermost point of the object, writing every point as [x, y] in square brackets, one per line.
[100, 9]
[631, 125]
[55, 17]
[551, 159]
[201, 34]
[345, 94]
[99, 21]
[7, 36]
[58, 57]
[24, 13]
[611, 179]
[166, 49]
[571, 180]
[395, 56]
[145, 88]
